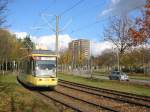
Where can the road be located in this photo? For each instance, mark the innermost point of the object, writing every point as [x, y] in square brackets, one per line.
[86, 74]
[142, 82]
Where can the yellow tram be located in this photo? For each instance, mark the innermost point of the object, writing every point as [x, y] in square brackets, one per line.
[39, 69]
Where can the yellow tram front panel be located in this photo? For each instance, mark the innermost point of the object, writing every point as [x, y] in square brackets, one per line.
[42, 81]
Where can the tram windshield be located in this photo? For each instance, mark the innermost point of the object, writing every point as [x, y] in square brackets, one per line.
[45, 68]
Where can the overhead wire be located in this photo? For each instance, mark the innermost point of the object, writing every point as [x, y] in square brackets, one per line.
[41, 26]
[87, 26]
[70, 8]
[92, 24]
[84, 27]
[48, 7]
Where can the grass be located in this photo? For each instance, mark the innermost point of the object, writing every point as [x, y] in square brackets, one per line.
[115, 85]
[139, 76]
[15, 98]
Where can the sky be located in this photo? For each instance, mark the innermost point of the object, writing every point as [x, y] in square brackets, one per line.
[84, 19]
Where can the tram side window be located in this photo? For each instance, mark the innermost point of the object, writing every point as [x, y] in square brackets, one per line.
[29, 67]
[32, 65]
[21, 67]
[25, 66]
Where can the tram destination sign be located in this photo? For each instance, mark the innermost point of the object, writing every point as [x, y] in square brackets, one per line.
[44, 58]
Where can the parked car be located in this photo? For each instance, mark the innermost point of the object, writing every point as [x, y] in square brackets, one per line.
[118, 75]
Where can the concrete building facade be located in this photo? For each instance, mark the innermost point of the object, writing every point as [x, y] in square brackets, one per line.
[80, 48]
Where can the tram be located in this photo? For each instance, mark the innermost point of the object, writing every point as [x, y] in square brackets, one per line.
[39, 69]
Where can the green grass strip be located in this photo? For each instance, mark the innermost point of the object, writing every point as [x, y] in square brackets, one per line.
[107, 84]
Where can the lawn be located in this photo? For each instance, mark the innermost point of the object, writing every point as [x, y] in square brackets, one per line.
[15, 98]
[115, 85]
[139, 76]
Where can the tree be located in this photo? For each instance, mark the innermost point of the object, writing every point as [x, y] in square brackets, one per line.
[3, 7]
[117, 33]
[131, 59]
[10, 48]
[65, 59]
[80, 59]
[5, 44]
[136, 60]
[141, 33]
[17, 53]
[106, 59]
[27, 43]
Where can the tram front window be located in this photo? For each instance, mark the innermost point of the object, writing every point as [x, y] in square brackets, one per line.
[45, 68]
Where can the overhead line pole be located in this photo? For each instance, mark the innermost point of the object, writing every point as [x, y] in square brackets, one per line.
[56, 47]
[57, 34]
[57, 31]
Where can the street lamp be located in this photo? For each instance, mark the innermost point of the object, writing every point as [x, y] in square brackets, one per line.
[116, 49]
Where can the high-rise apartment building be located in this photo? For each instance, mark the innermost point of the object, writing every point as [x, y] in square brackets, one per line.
[79, 48]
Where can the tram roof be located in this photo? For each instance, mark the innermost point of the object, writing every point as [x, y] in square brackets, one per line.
[43, 53]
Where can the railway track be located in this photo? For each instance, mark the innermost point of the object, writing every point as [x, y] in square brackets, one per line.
[130, 95]
[75, 103]
[110, 94]
[85, 102]
[82, 98]
[70, 101]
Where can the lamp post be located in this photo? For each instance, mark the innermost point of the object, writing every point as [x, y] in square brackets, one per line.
[118, 59]
[116, 50]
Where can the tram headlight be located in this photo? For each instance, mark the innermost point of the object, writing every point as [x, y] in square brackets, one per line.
[53, 75]
[54, 70]
[37, 68]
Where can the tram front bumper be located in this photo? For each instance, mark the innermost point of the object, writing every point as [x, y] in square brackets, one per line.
[45, 82]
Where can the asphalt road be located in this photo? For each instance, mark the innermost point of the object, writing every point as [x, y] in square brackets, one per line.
[142, 82]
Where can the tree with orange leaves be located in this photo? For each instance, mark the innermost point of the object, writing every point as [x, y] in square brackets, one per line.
[141, 33]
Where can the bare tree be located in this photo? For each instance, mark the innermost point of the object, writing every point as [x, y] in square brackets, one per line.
[117, 32]
[3, 8]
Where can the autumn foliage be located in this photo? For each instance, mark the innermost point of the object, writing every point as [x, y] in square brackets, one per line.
[141, 33]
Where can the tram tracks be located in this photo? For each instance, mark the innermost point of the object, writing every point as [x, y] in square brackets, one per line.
[75, 103]
[82, 98]
[87, 101]
[3, 87]
[118, 103]
[111, 94]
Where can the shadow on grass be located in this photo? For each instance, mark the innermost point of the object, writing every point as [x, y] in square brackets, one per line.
[43, 89]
